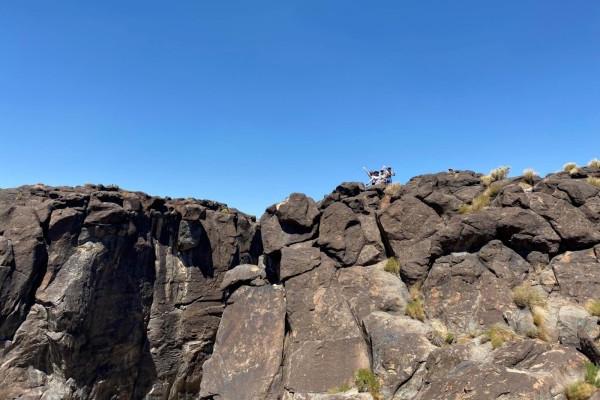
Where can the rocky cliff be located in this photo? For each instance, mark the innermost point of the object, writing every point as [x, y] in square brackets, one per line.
[452, 286]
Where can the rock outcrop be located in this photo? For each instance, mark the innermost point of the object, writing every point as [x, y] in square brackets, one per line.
[111, 294]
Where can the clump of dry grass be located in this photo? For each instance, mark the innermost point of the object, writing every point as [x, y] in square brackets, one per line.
[482, 200]
[570, 166]
[593, 181]
[366, 381]
[593, 307]
[392, 266]
[497, 174]
[499, 334]
[529, 175]
[525, 296]
[595, 163]
[414, 308]
[580, 391]
[393, 190]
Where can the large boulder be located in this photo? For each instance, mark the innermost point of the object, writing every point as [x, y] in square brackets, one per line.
[249, 346]
[292, 221]
[325, 345]
[409, 227]
[578, 274]
[399, 345]
[348, 237]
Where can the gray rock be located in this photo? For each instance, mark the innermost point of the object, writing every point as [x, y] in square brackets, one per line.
[243, 273]
[573, 321]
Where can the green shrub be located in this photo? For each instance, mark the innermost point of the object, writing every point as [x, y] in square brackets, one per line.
[579, 391]
[570, 166]
[392, 266]
[525, 296]
[593, 181]
[595, 163]
[449, 338]
[499, 334]
[593, 307]
[366, 381]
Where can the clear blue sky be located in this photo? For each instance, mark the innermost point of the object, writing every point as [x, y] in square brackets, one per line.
[247, 101]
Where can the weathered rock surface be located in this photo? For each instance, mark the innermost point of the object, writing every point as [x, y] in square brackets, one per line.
[110, 294]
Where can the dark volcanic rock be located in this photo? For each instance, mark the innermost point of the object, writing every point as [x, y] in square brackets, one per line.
[110, 294]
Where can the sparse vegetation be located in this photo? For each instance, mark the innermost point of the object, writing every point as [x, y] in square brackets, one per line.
[499, 173]
[449, 337]
[414, 308]
[529, 175]
[392, 266]
[499, 334]
[570, 166]
[393, 190]
[591, 374]
[579, 391]
[440, 333]
[593, 307]
[340, 389]
[366, 381]
[525, 296]
[482, 200]
[595, 163]
[539, 320]
[593, 181]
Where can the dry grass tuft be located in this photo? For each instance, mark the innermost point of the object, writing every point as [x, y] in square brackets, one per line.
[570, 166]
[526, 296]
[580, 391]
[595, 163]
[529, 175]
[414, 308]
[392, 266]
[499, 334]
[366, 381]
[483, 199]
[593, 307]
[393, 190]
[593, 181]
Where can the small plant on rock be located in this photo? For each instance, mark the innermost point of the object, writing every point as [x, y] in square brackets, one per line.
[525, 296]
[499, 334]
[393, 190]
[392, 266]
[529, 175]
[591, 374]
[593, 181]
[539, 320]
[414, 308]
[366, 381]
[593, 307]
[340, 389]
[570, 166]
[483, 199]
[595, 163]
[500, 173]
[580, 391]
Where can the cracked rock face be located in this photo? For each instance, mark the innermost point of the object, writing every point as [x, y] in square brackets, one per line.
[110, 294]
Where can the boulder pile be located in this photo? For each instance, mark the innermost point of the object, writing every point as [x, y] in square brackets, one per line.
[447, 287]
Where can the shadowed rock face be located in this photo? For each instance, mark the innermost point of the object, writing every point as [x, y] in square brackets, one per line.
[110, 294]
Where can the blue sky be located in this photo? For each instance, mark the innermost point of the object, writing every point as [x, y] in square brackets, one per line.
[247, 101]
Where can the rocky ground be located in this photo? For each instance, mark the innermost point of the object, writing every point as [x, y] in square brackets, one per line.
[452, 286]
